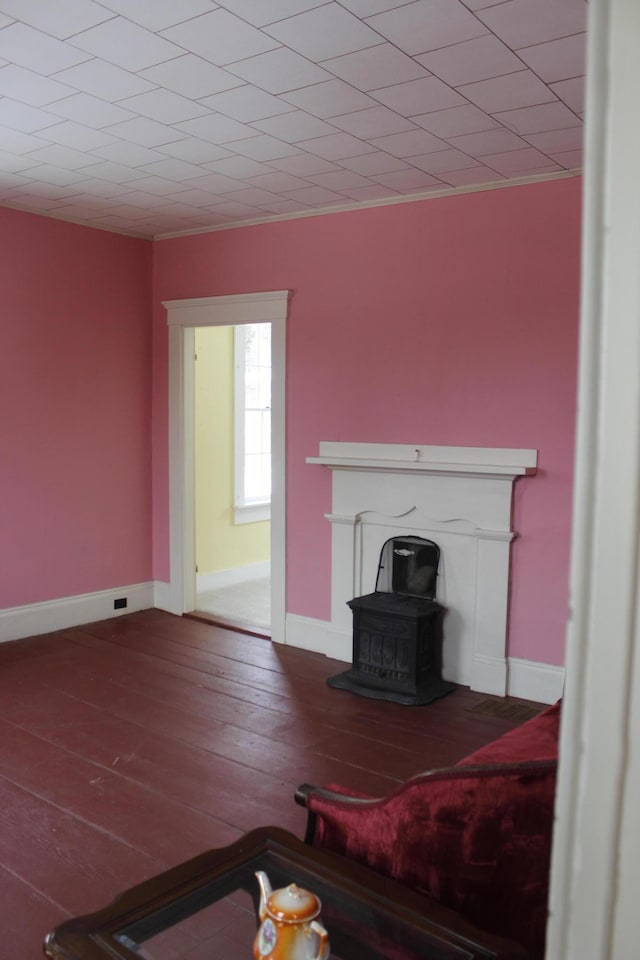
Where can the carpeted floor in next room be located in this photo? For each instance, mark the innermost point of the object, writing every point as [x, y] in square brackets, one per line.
[249, 602]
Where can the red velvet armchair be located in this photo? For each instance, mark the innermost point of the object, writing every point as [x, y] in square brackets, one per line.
[476, 837]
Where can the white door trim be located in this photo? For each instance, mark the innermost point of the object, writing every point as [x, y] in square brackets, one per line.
[182, 318]
[596, 868]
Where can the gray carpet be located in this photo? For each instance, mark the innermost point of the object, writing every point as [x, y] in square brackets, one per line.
[249, 602]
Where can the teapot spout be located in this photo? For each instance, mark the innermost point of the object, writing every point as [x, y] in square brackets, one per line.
[265, 893]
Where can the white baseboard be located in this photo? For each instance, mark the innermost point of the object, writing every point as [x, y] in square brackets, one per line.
[530, 680]
[488, 675]
[231, 576]
[50, 615]
[526, 679]
[319, 636]
[163, 598]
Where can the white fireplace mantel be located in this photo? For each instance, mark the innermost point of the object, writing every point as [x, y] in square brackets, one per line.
[487, 462]
[459, 496]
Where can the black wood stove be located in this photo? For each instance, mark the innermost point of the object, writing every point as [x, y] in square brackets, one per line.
[397, 630]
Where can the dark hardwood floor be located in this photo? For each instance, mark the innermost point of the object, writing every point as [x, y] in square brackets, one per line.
[131, 745]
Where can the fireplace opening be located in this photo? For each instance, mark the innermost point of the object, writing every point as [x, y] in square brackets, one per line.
[397, 629]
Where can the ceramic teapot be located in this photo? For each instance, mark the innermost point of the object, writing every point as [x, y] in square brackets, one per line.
[289, 926]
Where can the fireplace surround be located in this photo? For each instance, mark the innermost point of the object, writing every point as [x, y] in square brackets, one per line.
[461, 497]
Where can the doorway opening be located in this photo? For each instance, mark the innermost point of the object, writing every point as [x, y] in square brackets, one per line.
[183, 318]
[232, 446]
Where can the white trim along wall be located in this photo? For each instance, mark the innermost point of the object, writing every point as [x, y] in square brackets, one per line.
[595, 867]
[183, 316]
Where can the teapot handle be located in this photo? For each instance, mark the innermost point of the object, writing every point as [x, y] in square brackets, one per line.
[323, 940]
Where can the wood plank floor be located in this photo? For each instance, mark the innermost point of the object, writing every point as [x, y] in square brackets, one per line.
[132, 744]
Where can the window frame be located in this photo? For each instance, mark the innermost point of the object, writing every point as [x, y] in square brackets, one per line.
[244, 510]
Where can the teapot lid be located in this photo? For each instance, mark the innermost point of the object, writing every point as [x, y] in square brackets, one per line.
[292, 903]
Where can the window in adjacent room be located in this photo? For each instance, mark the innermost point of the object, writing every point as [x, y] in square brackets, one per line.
[252, 358]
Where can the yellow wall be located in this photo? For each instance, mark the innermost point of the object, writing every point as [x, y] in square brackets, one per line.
[220, 543]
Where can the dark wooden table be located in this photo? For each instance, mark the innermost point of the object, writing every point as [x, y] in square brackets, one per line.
[206, 908]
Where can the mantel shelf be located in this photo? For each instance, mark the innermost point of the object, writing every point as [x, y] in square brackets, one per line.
[489, 463]
[419, 466]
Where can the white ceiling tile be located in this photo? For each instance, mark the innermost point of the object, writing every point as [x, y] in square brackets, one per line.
[146, 132]
[472, 60]
[15, 141]
[89, 110]
[409, 144]
[327, 31]
[508, 93]
[220, 37]
[29, 87]
[365, 8]
[279, 71]
[456, 121]
[194, 150]
[303, 165]
[151, 201]
[246, 103]
[59, 156]
[375, 67]
[191, 76]
[34, 50]
[77, 136]
[126, 44]
[164, 106]
[571, 92]
[371, 163]
[23, 118]
[93, 189]
[337, 146]
[173, 169]
[237, 211]
[521, 23]
[294, 126]
[419, 96]
[216, 128]
[198, 198]
[569, 159]
[36, 202]
[214, 183]
[557, 59]
[12, 163]
[375, 122]
[113, 172]
[286, 206]
[376, 191]
[159, 186]
[546, 116]
[130, 154]
[52, 174]
[555, 141]
[442, 161]
[103, 80]
[263, 147]
[252, 195]
[517, 162]
[316, 196]
[488, 141]
[158, 14]
[61, 20]
[340, 179]
[277, 182]
[10, 182]
[406, 181]
[427, 25]
[239, 167]
[328, 99]
[471, 176]
[260, 13]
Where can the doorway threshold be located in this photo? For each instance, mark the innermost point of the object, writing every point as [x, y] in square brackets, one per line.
[236, 626]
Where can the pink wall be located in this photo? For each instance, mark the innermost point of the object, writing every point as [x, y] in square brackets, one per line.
[75, 407]
[450, 321]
